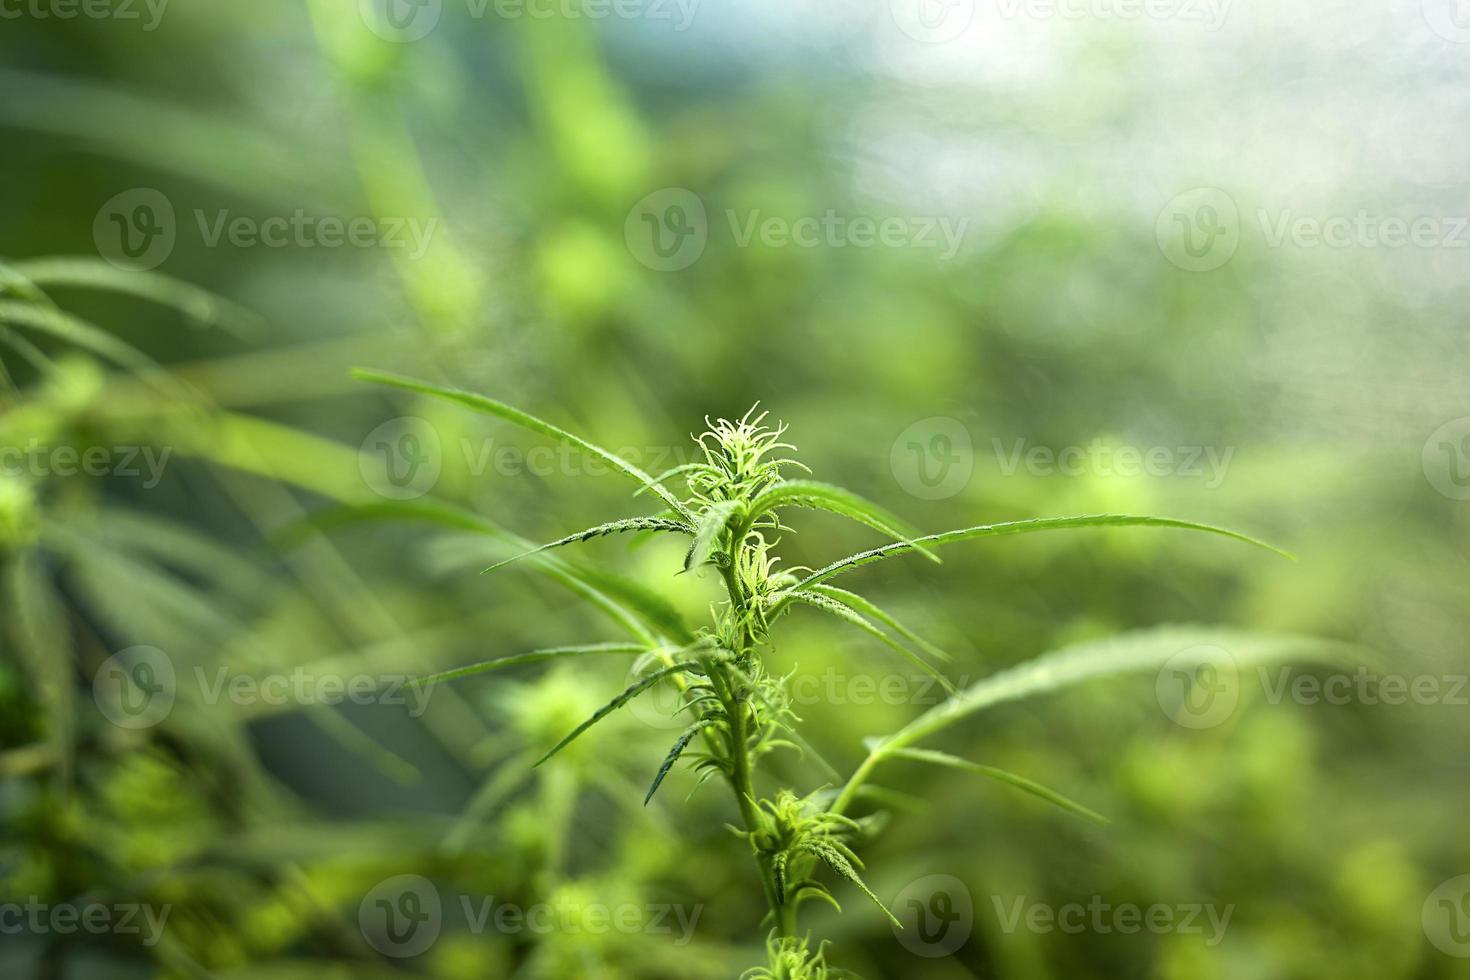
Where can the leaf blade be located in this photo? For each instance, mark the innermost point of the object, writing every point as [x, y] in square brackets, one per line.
[628, 694]
[509, 413]
[847, 564]
[533, 657]
[610, 527]
[1002, 775]
[837, 500]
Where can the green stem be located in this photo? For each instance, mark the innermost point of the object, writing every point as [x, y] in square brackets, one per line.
[741, 781]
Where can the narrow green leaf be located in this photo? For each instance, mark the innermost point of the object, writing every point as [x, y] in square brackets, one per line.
[707, 532]
[839, 863]
[490, 406]
[199, 305]
[669, 474]
[633, 690]
[861, 604]
[847, 615]
[337, 516]
[36, 622]
[1140, 650]
[534, 657]
[611, 527]
[76, 331]
[1023, 527]
[658, 612]
[836, 500]
[1020, 782]
[679, 746]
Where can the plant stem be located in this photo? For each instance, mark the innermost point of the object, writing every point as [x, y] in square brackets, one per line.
[741, 782]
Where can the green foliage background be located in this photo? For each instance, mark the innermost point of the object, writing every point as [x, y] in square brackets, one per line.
[1322, 371]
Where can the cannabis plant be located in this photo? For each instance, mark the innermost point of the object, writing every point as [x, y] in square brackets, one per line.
[731, 509]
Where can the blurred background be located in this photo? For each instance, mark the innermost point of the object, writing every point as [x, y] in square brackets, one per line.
[990, 259]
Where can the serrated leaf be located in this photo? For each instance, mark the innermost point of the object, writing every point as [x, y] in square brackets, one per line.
[679, 746]
[836, 500]
[534, 657]
[847, 615]
[1022, 527]
[1002, 775]
[707, 531]
[839, 863]
[631, 692]
[669, 474]
[1141, 650]
[862, 605]
[490, 406]
[611, 527]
